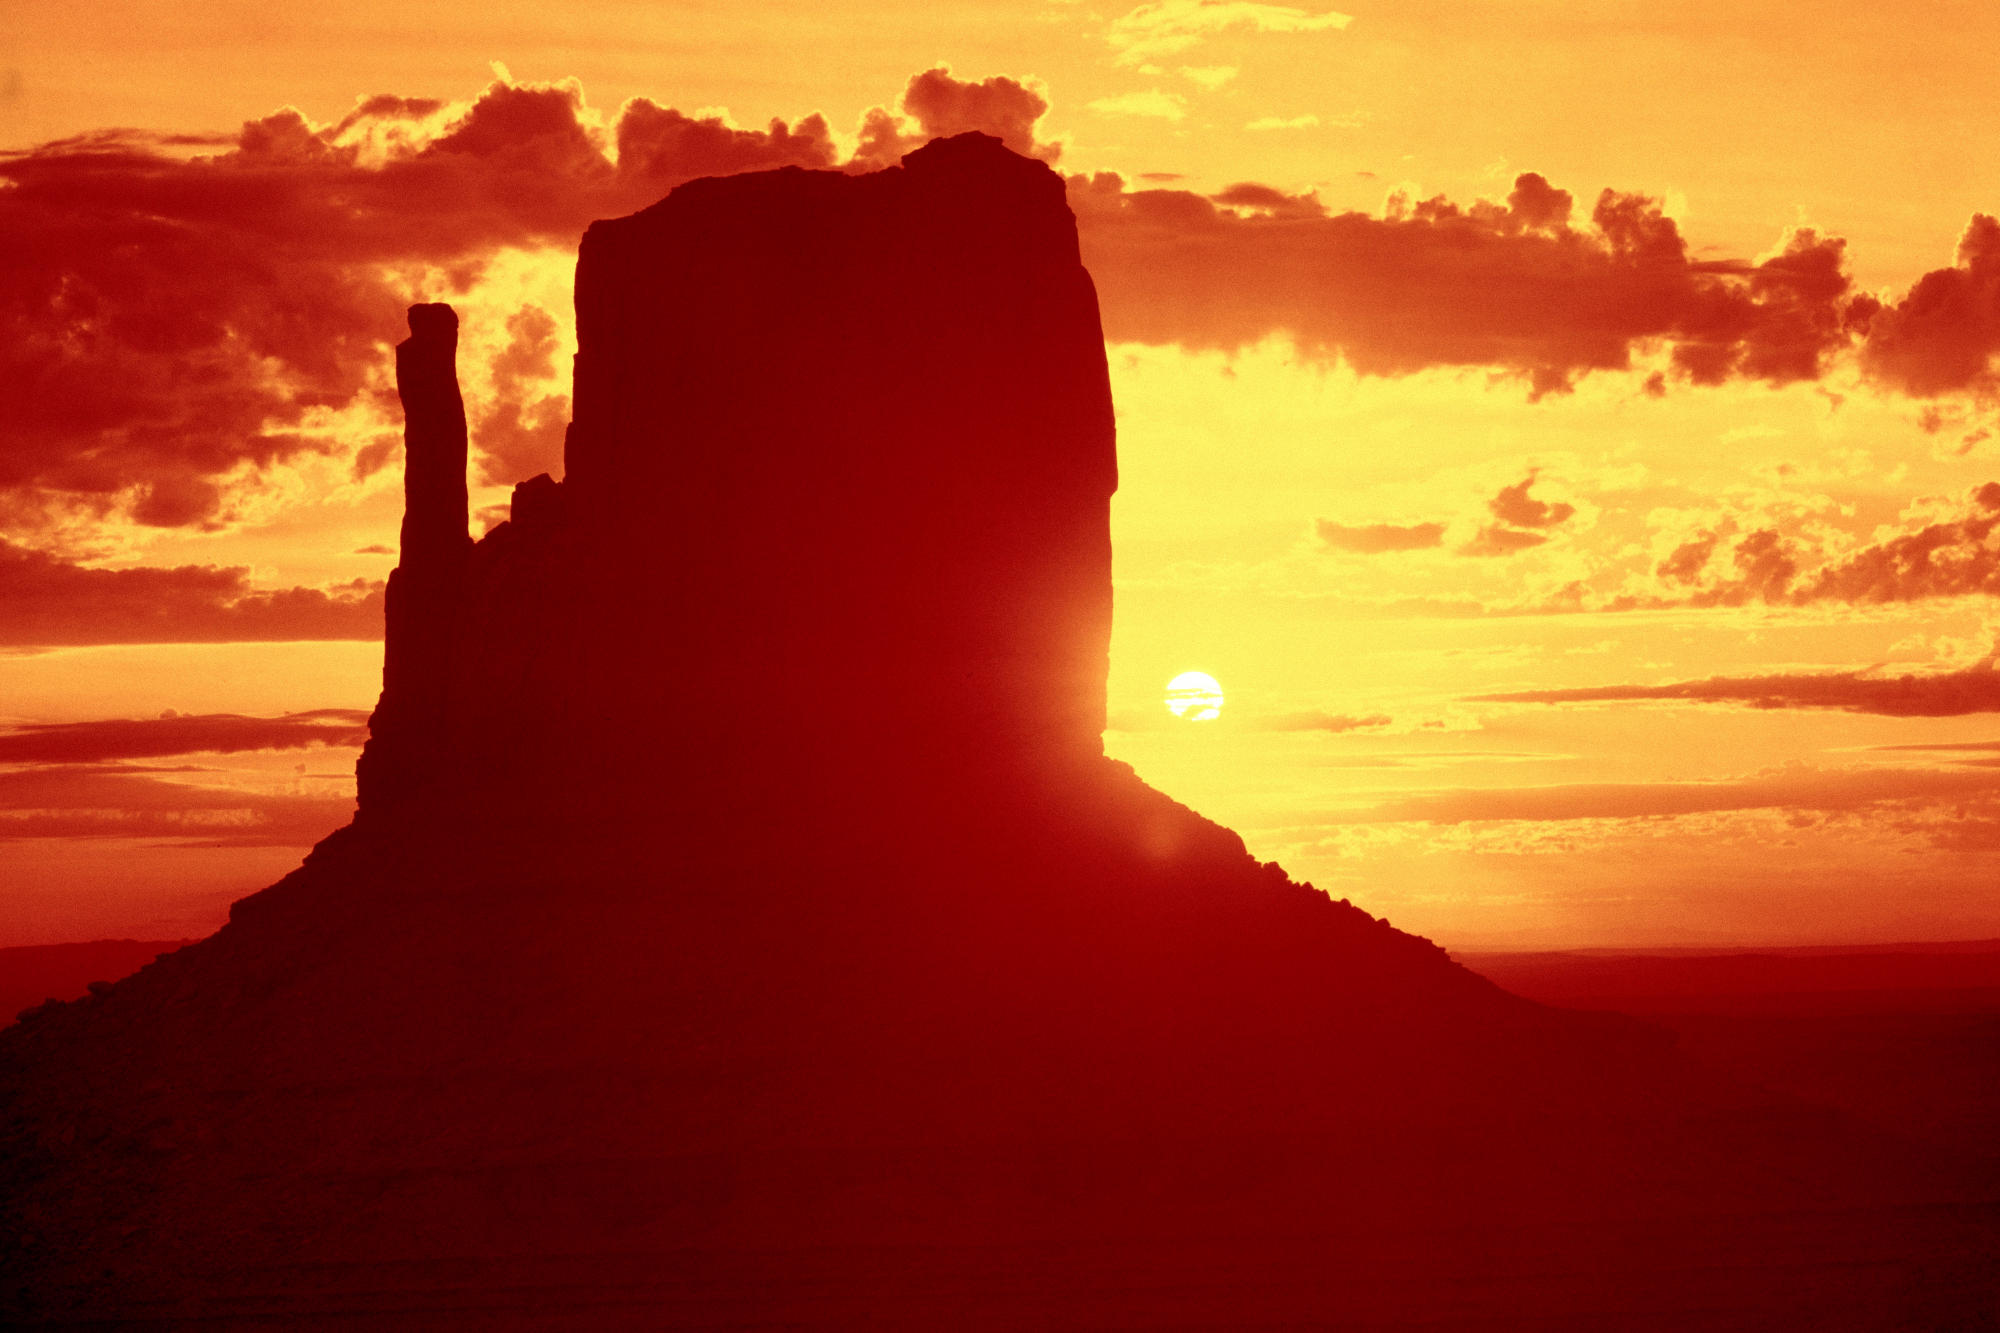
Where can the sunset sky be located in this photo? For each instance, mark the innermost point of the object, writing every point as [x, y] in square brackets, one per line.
[1568, 431]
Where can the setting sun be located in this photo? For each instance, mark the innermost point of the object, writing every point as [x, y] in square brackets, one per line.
[1195, 696]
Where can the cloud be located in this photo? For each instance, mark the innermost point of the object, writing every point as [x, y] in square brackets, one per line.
[178, 734]
[1209, 77]
[1833, 790]
[1319, 720]
[1151, 102]
[1938, 560]
[168, 321]
[1375, 538]
[1166, 27]
[663, 146]
[1159, 719]
[1266, 201]
[941, 105]
[181, 313]
[1493, 539]
[520, 429]
[1949, 558]
[1278, 123]
[1943, 334]
[1513, 505]
[45, 601]
[1523, 521]
[111, 801]
[1513, 286]
[1975, 689]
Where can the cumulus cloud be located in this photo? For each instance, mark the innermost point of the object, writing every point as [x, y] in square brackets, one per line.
[1951, 557]
[1943, 334]
[520, 428]
[937, 105]
[167, 321]
[1376, 538]
[1167, 27]
[180, 313]
[178, 734]
[1283, 123]
[46, 601]
[664, 147]
[1511, 285]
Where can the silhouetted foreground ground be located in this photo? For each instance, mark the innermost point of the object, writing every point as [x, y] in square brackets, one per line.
[1904, 1038]
[743, 929]
[31, 974]
[1111, 1075]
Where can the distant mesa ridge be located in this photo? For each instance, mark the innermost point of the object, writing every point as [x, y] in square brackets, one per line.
[840, 474]
[743, 928]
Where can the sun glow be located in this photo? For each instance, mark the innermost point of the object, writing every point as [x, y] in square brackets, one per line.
[1195, 696]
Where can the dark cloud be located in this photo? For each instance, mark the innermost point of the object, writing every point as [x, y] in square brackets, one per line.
[940, 106]
[1515, 285]
[166, 320]
[1938, 560]
[1687, 561]
[1537, 205]
[1949, 558]
[1523, 523]
[661, 145]
[1003, 107]
[1493, 539]
[177, 734]
[112, 801]
[1513, 505]
[1268, 201]
[520, 429]
[1375, 538]
[1976, 689]
[176, 311]
[1943, 334]
[46, 601]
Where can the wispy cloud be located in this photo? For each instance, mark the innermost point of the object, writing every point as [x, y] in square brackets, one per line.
[1376, 538]
[1167, 27]
[1792, 789]
[1209, 77]
[178, 734]
[1150, 102]
[1975, 689]
[1280, 123]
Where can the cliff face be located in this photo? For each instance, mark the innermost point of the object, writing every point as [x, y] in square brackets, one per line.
[743, 928]
[837, 500]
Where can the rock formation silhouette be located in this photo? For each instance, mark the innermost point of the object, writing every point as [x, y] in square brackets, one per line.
[742, 926]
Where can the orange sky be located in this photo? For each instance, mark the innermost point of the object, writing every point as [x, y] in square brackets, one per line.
[1692, 483]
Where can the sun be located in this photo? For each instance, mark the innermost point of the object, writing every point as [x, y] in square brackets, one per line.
[1195, 696]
